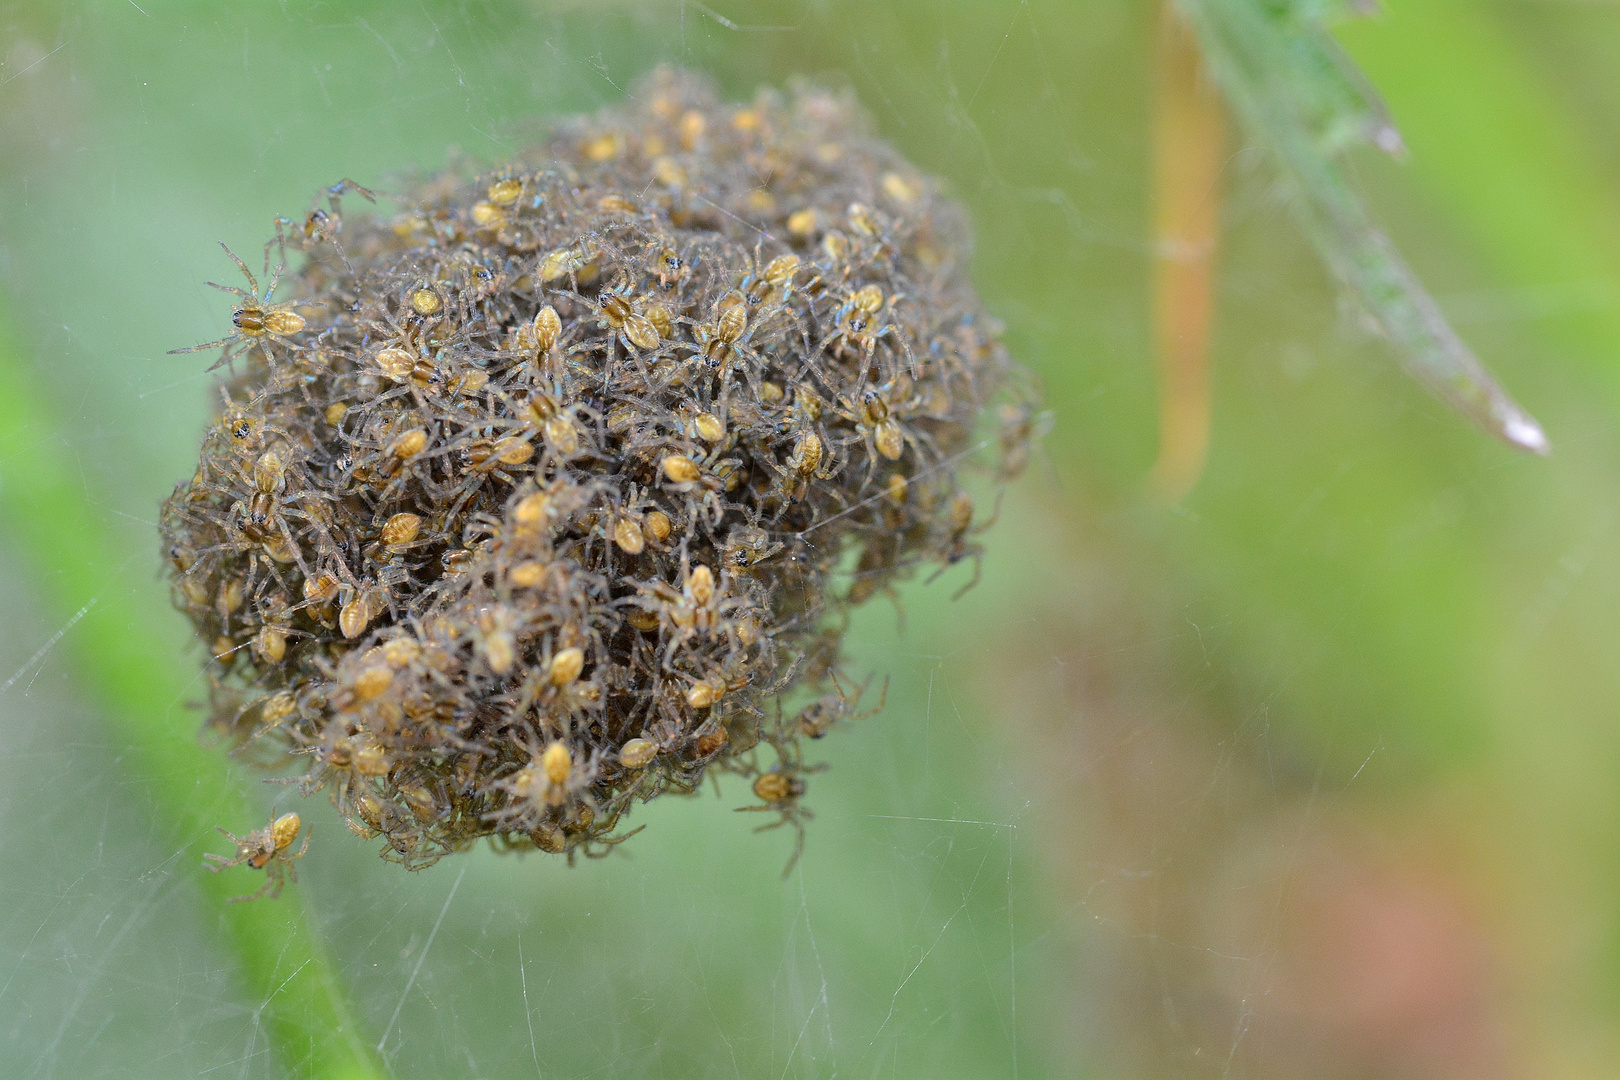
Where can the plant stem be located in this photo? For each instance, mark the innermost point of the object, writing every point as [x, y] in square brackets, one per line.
[135, 678]
[1189, 138]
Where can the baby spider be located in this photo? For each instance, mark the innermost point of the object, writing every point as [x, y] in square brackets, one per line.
[957, 544]
[700, 608]
[879, 428]
[817, 717]
[617, 313]
[859, 322]
[264, 849]
[255, 319]
[810, 459]
[780, 790]
[319, 225]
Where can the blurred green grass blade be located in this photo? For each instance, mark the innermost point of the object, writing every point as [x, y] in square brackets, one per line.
[1512, 167]
[1297, 93]
[45, 510]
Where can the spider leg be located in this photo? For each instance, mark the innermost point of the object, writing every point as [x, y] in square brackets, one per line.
[291, 345]
[621, 338]
[281, 239]
[977, 555]
[883, 699]
[675, 642]
[608, 843]
[867, 348]
[275, 278]
[206, 346]
[872, 454]
[253, 281]
[798, 850]
[243, 293]
[835, 461]
[269, 881]
[995, 513]
[337, 190]
[905, 346]
[777, 824]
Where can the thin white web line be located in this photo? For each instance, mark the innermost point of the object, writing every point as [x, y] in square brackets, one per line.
[992, 65]
[953, 459]
[741, 221]
[50, 644]
[99, 966]
[821, 971]
[921, 960]
[392, 55]
[802, 1029]
[438, 35]
[194, 377]
[528, 1016]
[63, 895]
[946, 820]
[283, 985]
[35, 64]
[1012, 958]
[1012, 930]
[421, 957]
[729, 25]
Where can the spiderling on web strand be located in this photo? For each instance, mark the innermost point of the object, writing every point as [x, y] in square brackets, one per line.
[536, 506]
[265, 849]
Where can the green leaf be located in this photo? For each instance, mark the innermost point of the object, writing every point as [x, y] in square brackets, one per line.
[1295, 91]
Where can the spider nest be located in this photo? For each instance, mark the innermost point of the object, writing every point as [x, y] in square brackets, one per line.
[533, 500]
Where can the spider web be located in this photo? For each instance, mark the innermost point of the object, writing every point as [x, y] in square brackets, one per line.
[1068, 842]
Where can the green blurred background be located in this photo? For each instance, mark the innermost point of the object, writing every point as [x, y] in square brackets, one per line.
[1313, 774]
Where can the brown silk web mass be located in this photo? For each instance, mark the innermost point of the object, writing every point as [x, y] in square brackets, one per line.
[535, 499]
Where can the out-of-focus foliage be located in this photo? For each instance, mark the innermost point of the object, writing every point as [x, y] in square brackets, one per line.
[1298, 93]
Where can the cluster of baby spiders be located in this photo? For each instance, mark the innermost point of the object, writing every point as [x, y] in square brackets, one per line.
[542, 492]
